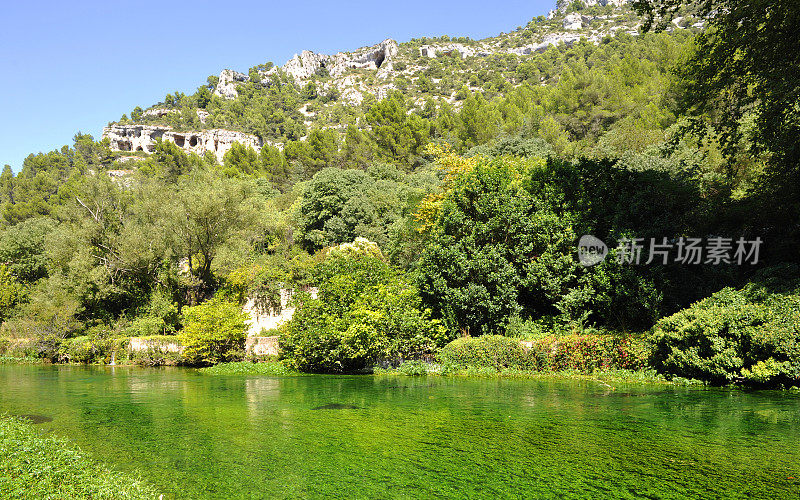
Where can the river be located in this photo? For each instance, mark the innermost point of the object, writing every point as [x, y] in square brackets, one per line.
[194, 435]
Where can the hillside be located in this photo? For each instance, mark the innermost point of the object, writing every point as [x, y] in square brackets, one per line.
[273, 105]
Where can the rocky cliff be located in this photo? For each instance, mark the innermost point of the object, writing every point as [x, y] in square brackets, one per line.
[345, 80]
[143, 138]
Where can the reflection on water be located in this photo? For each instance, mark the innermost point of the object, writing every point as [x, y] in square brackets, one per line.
[197, 436]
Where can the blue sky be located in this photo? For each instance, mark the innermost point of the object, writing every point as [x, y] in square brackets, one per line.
[74, 66]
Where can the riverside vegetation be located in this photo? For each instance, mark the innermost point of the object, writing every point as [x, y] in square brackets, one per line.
[442, 231]
[47, 467]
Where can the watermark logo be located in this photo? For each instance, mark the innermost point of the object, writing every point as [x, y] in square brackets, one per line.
[693, 251]
[591, 250]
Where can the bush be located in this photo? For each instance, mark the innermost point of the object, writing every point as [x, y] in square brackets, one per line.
[214, 332]
[80, 350]
[587, 353]
[146, 326]
[413, 368]
[364, 313]
[486, 351]
[272, 368]
[749, 336]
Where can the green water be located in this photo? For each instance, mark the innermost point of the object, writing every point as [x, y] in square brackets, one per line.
[201, 436]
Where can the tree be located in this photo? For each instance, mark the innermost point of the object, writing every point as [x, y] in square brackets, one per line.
[214, 332]
[11, 292]
[205, 213]
[241, 159]
[399, 135]
[743, 72]
[168, 161]
[340, 205]
[364, 312]
[275, 167]
[203, 96]
[22, 246]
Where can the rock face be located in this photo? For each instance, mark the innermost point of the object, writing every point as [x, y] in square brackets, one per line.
[432, 51]
[226, 87]
[143, 138]
[572, 22]
[377, 58]
[262, 346]
[268, 320]
[141, 344]
[159, 112]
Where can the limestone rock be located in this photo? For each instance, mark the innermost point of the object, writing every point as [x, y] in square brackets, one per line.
[377, 57]
[159, 112]
[562, 5]
[572, 22]
[143, 138]
[228, 79]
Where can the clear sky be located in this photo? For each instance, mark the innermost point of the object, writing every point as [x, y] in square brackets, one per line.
[74, 66]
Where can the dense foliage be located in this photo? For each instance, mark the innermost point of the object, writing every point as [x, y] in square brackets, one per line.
[751, 335]
[472, 178]
[580, 352]
[365, 312]
[214, 332]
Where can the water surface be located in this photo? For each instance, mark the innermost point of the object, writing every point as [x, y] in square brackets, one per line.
[201, 436]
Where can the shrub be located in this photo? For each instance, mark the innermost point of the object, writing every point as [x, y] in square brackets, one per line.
[146, 326]
[587, 353]
[364, 313]
[80, 350]
[272, 368]
[413, 368]
[486, 351]
[749, 336]
[214, 332]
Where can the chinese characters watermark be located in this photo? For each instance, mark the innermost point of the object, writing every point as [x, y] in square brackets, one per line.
[714, 250]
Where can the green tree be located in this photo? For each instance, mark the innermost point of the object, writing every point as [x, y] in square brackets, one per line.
[11, 292]
[365, 312]
[204, 214]
[741, 76]
[214, 332]
[241, 159]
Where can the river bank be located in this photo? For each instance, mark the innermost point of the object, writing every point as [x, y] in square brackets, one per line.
[44, 467]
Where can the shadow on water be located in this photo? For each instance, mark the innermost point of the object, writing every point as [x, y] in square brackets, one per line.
[337, 406]
[34, 418]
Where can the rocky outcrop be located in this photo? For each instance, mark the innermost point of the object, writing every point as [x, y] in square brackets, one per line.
[572, 22]
[143, 138]
[262, 346]
[226, 86]
[143, 344]
[376, 58]
[159, 112]
[432, 51]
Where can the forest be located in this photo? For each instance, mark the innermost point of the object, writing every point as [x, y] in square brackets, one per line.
[442, 237]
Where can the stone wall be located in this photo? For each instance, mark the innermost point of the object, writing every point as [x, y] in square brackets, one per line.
[262, 346]
[142, 344]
